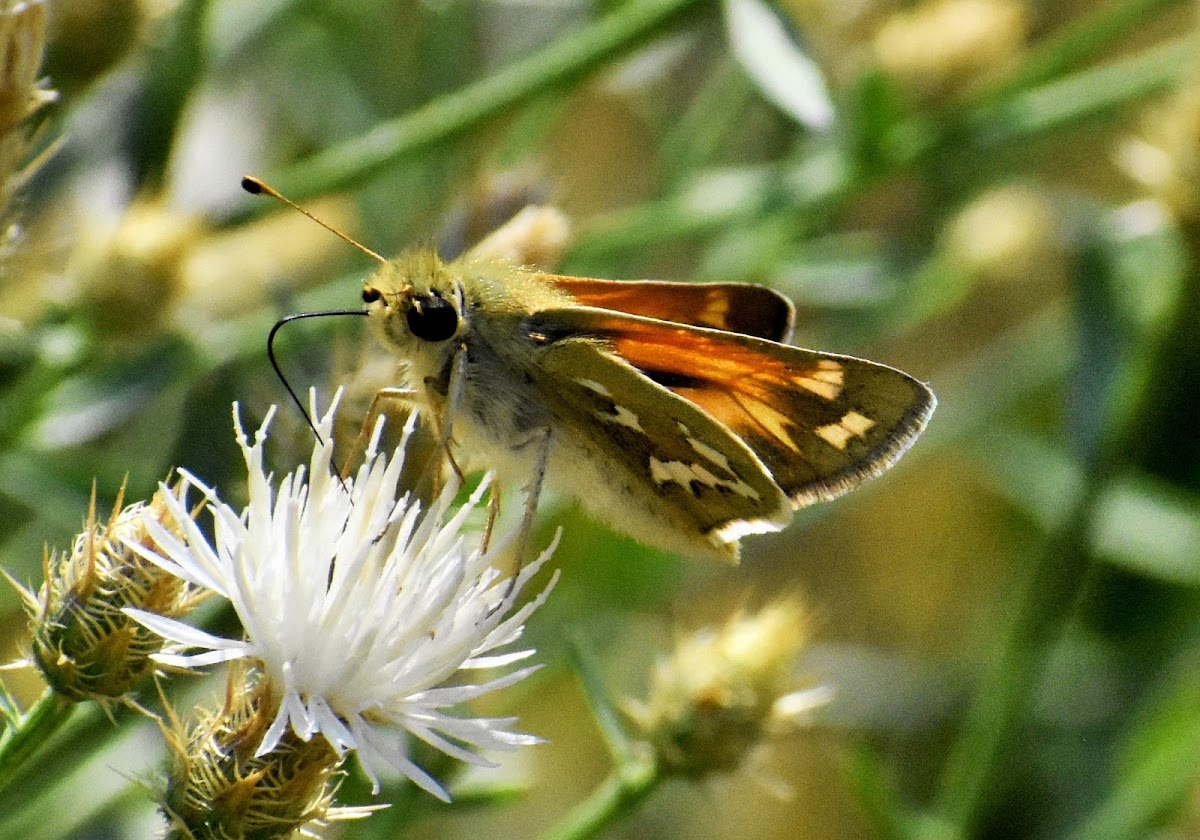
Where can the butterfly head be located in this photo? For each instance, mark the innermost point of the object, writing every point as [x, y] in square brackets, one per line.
[415, 305]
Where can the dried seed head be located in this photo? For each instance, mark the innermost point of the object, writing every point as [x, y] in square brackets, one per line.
[86, 647]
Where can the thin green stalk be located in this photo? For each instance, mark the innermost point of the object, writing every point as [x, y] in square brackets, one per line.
[1003, 694]
[1168, 402]
[177, 62]
[635, 772]
[616, 797]
[1086, 38]
[621, 746]
[1135, 808]
[30, 731]
[566, 59]
[1089, 93]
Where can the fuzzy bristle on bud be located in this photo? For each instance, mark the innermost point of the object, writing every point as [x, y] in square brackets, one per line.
[722, 691]
[219, 786]
[87, 648]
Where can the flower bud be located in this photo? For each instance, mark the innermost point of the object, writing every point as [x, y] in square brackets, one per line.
[87, 648]
[219, 786]
[724, 690]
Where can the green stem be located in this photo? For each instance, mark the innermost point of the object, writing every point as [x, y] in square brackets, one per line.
[621, 746]
[1135, 808]
[176, 65]
[29, 732]
[1020, 118]
[1089, 93]
[565, 60]
[1166, 407]
[616, 797]
[1000, 699]
[1084, 40]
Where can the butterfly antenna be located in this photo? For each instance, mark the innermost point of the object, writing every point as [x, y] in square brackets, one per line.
[254, 186]
[287, 385]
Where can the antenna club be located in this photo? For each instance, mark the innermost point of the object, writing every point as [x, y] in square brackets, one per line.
[255, 186]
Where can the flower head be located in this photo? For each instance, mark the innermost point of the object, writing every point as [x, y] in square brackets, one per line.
[357, 609]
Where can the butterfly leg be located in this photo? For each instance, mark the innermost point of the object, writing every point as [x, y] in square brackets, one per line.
[443, 426]
[533, 496]
[403, 395]
[493, 512]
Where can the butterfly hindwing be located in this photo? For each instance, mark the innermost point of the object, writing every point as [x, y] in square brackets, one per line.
[820, 423]
[693, 464]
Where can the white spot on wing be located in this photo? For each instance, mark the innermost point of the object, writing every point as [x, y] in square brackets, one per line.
[856, 424]
[622, 417]
[711, 454]
[834, 435]
[738, 528]
[683, 474]
[593, 385]
[826, 381]
[851, 425]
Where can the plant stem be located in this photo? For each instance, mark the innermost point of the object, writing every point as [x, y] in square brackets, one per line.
[1003, 693]
[563, 61]
[30, 731]
[1089, 93]
[1136, 805]
[1085, 39]
[616, 797]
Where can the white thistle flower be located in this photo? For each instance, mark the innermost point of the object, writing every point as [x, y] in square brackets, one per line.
[357, 609]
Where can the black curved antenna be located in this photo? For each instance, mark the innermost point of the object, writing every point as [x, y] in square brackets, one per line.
[279, 371]
[256, 186]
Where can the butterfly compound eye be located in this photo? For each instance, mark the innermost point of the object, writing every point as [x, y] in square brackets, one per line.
[432, 318]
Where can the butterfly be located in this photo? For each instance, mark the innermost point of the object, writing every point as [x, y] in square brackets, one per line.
[675, 412]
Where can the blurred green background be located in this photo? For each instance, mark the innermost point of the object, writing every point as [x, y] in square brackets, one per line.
[1000, 197]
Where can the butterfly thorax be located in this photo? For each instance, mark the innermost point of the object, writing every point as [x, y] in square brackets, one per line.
[474, 363]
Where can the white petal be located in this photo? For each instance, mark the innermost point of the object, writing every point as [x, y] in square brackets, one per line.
[359, 608]
[180, 633]
[201, 660]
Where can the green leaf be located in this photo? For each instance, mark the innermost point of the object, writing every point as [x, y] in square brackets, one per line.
[1149, 527]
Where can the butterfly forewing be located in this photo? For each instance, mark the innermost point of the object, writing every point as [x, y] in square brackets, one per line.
[820, 423]
[733, 307]
[693, 465]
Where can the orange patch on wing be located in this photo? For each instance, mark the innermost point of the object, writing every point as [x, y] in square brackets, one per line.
[737, 384]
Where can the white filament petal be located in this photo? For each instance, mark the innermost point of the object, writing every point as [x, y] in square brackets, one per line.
[357, 607]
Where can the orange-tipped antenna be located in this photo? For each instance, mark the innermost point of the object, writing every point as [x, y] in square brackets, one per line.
[254, 186]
